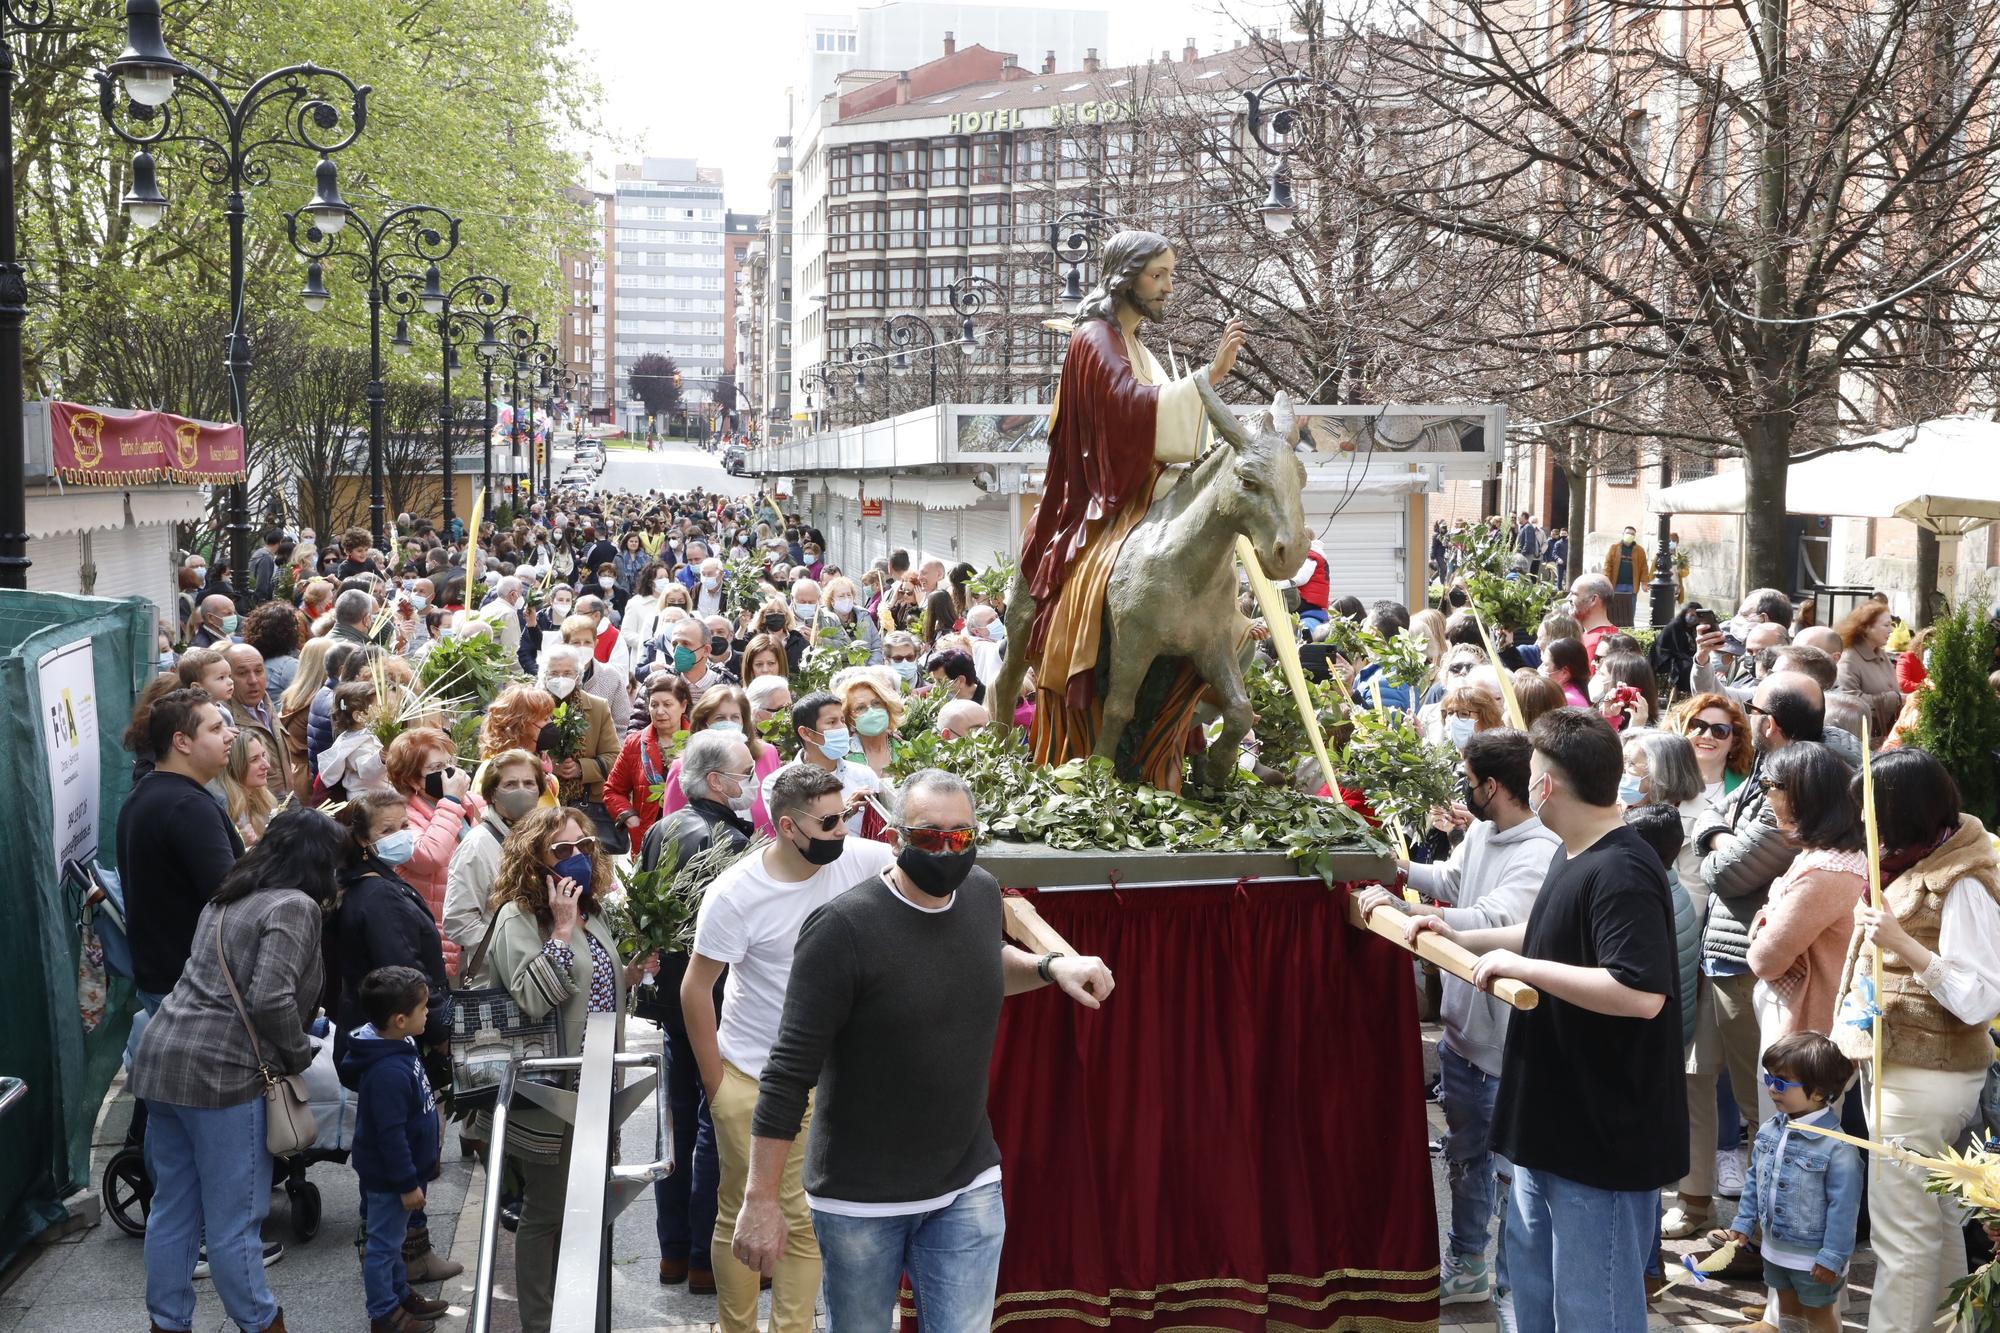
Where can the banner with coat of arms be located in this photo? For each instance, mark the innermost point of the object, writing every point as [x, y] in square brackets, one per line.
[96, 447]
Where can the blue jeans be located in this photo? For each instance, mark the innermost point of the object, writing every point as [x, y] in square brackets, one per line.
[952, 1256]
[383, 1274]
[1575, 1254]
[1466, 1091]
[210, 1175]
[684, 1202]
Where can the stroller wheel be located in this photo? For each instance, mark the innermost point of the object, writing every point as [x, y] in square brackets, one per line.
[304, 1196]
[128, 1190]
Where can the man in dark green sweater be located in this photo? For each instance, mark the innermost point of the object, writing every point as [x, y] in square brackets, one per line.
[891, 1009]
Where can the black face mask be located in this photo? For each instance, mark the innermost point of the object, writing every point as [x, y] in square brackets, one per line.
[822, 851]
[718, 646]
[937, 873]
[1472, 803]
[434, 784]
[774, 623]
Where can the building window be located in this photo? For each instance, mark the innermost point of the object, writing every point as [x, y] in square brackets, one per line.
[989, 160]
[906, 286]
[989, 222]
[906, 167]
[943, 275]
[836, 173]
[947, 224]
[864, 169]
[1075, 157]
[947, 164]
[785, 195]
[1031, 158]
[906, 226]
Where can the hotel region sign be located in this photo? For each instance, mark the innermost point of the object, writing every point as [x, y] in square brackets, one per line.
[1104, 112]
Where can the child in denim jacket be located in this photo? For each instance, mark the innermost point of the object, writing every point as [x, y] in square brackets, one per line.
[1803, 1190]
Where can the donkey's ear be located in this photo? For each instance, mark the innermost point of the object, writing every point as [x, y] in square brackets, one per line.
[1283, 419]
[1261, 424]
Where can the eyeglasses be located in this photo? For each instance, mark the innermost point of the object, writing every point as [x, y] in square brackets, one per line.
[824, 823]
[1767, 785]
[1459, 668]
[1754, 711]
[565, 850]
[953, 840]
[1777, 1083]
[1722, 731]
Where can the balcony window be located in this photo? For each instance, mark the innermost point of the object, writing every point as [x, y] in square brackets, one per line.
[947, 164]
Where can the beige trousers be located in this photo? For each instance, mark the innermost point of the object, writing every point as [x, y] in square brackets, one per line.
[1919, 1251]
[795, 1284]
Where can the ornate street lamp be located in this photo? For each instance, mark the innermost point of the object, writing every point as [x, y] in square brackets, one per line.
[15, 16]
[501, 341]
[538, 358]
[465, 312]
[297, 110]
[912, 333]
[411, 235]
[1275, 118]
[1071, 237]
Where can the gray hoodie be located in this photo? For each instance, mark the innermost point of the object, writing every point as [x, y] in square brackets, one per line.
[1491, 880]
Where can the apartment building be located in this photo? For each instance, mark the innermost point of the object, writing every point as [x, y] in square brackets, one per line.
[664, 262]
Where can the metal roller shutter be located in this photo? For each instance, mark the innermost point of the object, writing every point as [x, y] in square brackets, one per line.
[136, 561]
[940, 539]
[1364, 547]
[986, 534]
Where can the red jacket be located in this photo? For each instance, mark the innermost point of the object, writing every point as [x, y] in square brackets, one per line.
[628, 789]
[1910, 673]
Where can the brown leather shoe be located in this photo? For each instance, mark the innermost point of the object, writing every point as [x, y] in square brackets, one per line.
[398, 1320]
[423, 1307]
[673, 1272]
[701, 1281]
[277, 1325]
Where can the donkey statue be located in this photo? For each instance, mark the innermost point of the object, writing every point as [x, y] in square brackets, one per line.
[1173, 591]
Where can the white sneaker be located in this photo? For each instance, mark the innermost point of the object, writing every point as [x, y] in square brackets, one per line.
[1729, 1174]
[1464, 1281]
[1679, 1223]
[273, 1251]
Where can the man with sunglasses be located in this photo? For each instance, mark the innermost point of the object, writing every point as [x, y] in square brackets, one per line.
[749, 922]
[892, 1011]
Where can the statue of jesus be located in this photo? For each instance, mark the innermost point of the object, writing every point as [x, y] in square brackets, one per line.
[1117, 427]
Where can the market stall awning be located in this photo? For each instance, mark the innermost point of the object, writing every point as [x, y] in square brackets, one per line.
[1943, 475]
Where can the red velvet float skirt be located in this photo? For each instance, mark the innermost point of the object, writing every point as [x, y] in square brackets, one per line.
[1235, 1141]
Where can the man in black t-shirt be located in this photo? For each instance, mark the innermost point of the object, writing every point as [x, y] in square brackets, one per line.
[1592, 1108]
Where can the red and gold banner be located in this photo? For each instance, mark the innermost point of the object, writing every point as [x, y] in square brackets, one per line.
[95, 447]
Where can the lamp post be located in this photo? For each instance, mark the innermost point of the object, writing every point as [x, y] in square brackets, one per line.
[1274, 118]
[470, 306]
[540, 358]
[1663, 564]
[497, 343]
[408, 235]
[305, 118]
[902, 332]
[822, 377]
[15, 16]
[1070, 238]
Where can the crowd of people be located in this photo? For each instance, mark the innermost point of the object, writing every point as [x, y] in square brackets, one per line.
[1667, 846]
[1673, 853]
[319, 848]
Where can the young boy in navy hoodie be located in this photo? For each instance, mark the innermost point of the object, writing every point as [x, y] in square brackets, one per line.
[395, 1139]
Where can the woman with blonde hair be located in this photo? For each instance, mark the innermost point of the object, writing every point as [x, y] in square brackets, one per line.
[246, 786]
[552, 947]
[295, 711]
[874, 709]
[1428, 624]
[774, 620]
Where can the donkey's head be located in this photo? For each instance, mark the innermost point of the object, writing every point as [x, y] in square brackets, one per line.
[1260, 488]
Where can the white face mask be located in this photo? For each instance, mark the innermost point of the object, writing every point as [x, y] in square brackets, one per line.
[843, 606]
[1460, 729]
[561, 686]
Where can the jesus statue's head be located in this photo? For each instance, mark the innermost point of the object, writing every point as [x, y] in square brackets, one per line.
[1138, 269]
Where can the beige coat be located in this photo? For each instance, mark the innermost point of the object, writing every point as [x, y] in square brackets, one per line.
[1872, 675]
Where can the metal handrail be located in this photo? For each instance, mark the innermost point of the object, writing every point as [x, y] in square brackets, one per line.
[596, 1189]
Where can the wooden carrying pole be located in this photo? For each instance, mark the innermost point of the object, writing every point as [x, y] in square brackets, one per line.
[1026, 928]
[1434, 948]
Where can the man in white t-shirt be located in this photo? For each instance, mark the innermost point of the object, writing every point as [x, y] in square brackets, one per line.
[820, 722]
[749, 922]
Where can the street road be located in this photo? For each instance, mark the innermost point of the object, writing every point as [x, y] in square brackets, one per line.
[675, 466]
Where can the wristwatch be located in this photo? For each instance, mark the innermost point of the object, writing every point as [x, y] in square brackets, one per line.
[1042, 965]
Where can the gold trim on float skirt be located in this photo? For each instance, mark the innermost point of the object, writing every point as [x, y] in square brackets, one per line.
[1251, 1298]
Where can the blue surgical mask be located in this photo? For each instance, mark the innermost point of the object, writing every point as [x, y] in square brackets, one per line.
[1629, 790]
[907, 670]
[397, 847]
[167, 660]
[727, 727]
[1459, 729]
[575, 867]
[417, 601]
[836, 744]
[229, 624]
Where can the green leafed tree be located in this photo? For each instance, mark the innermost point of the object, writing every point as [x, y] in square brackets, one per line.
[656, 381]
[1958, 717]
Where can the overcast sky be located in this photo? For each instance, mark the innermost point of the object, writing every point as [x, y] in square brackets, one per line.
[707, 79]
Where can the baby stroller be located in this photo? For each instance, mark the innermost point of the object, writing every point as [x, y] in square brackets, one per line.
[128, 1190]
